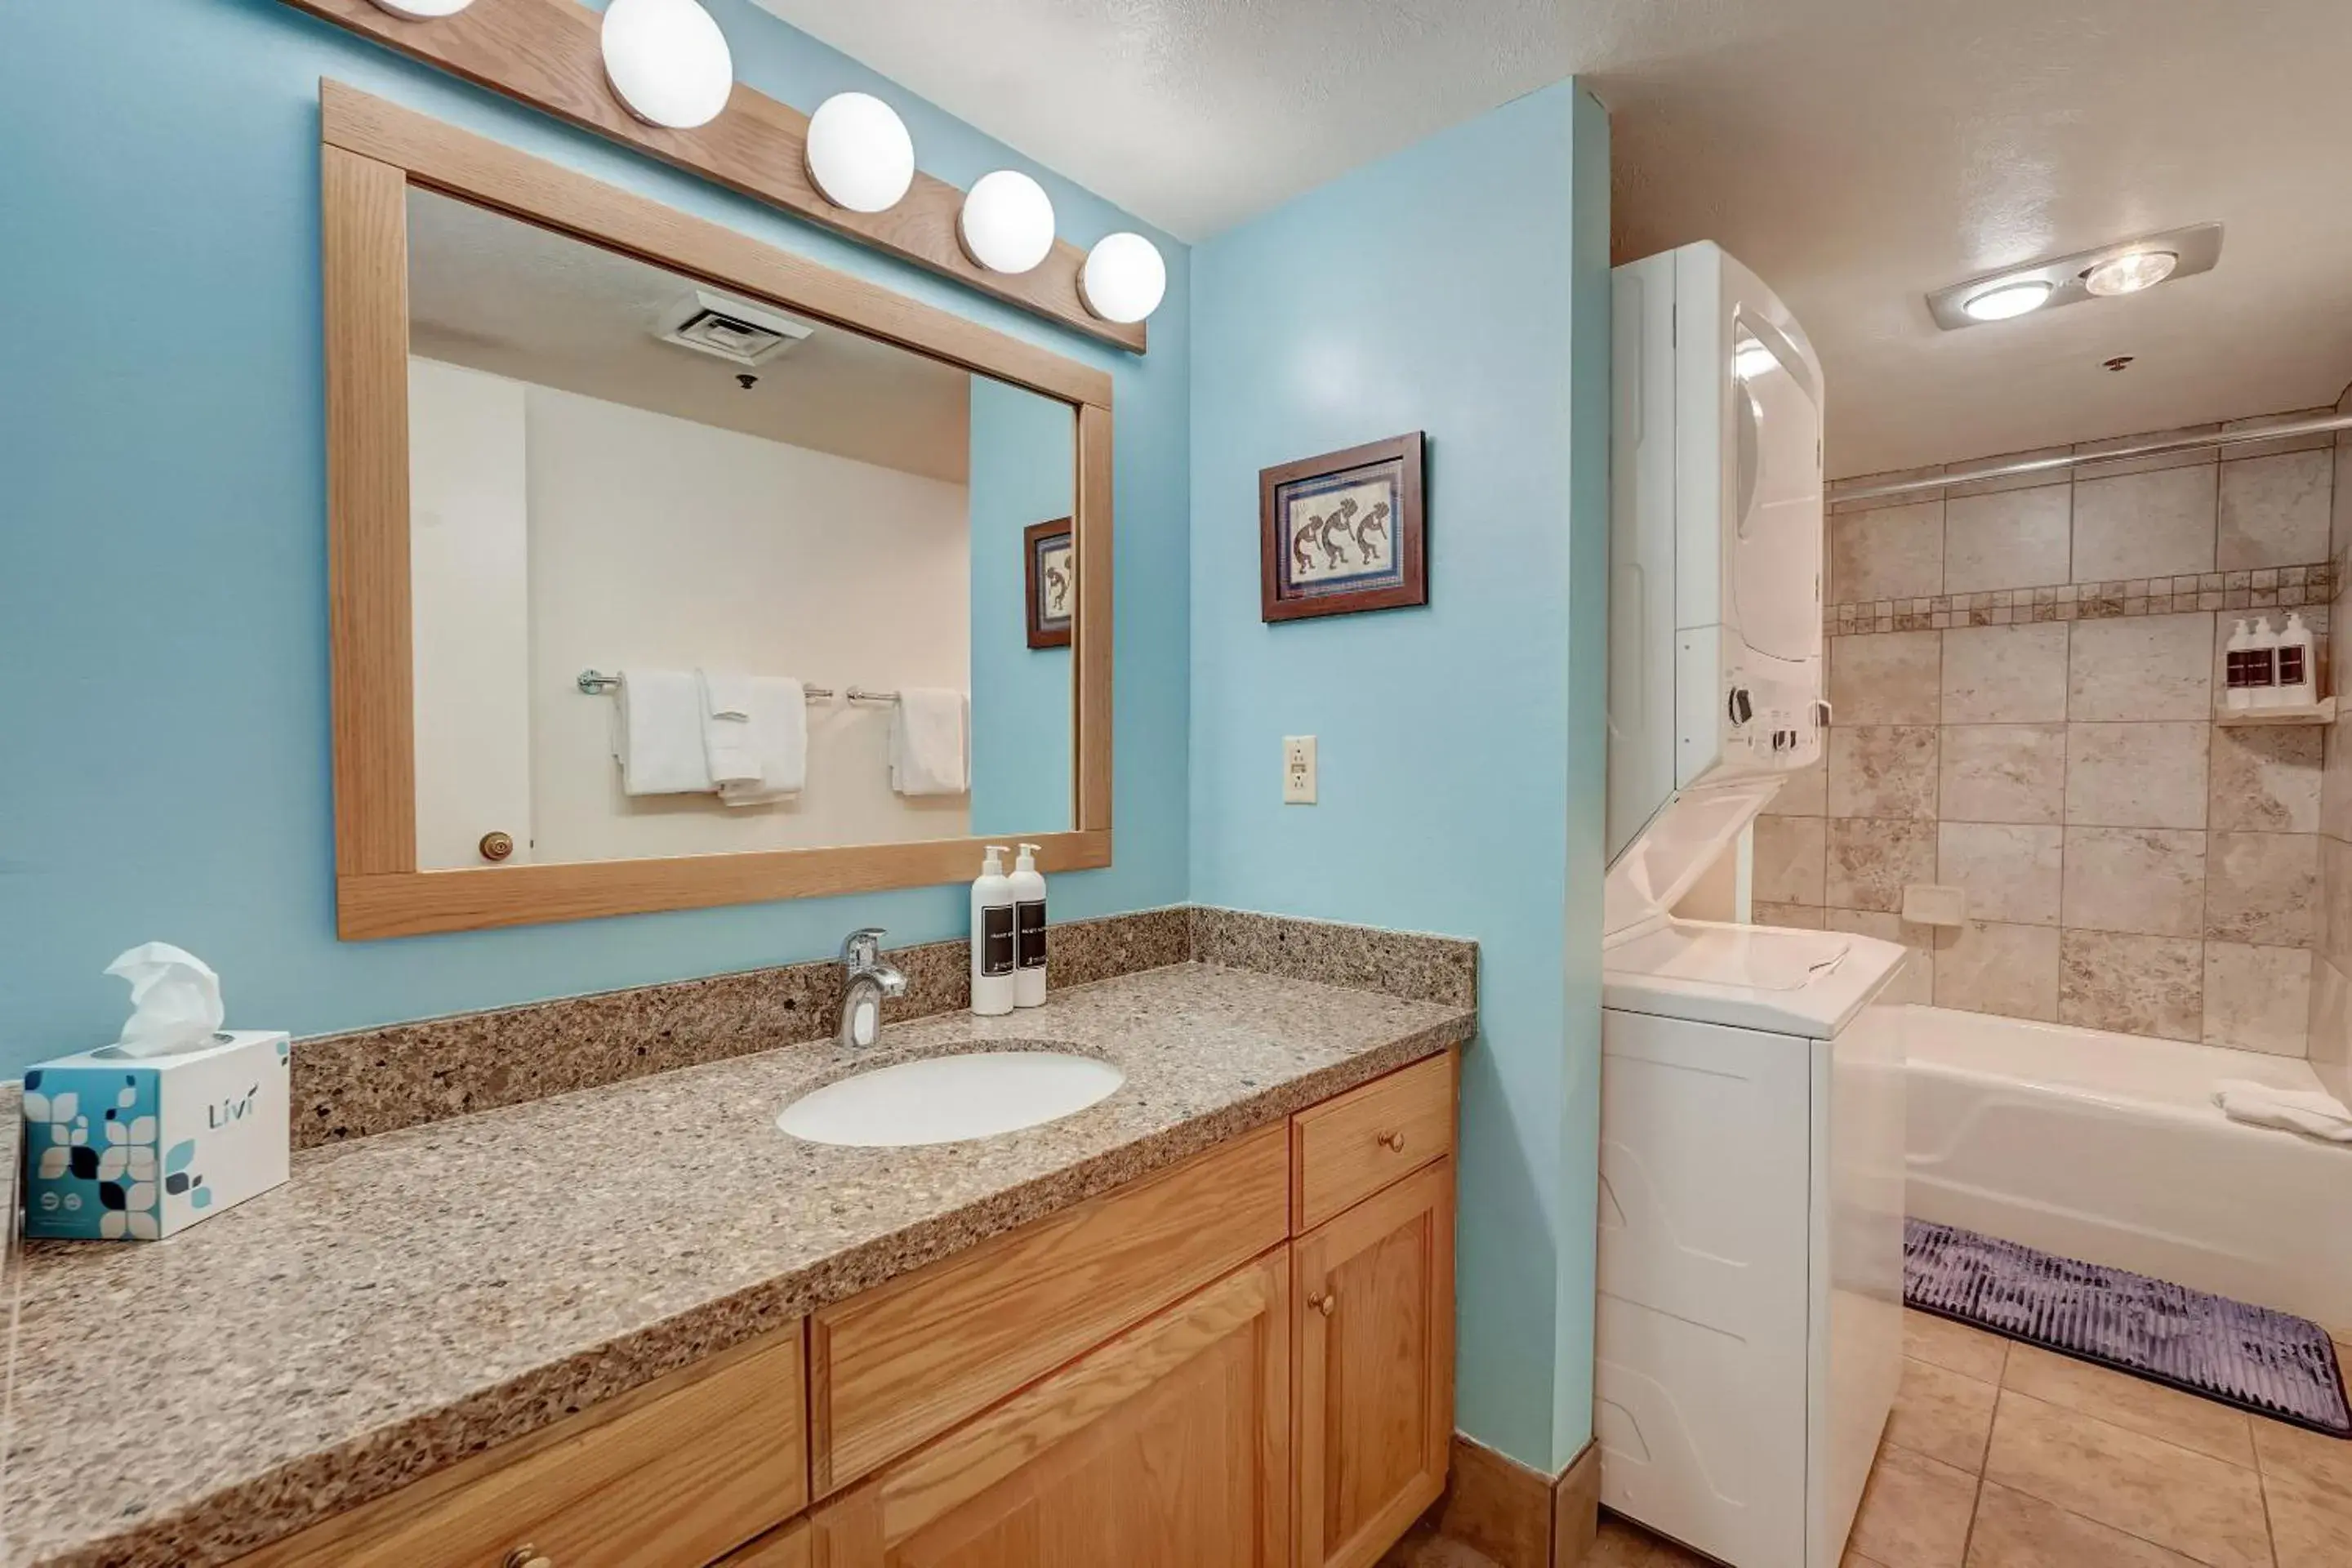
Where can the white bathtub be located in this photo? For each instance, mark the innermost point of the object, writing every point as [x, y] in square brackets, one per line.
[2109, 1148]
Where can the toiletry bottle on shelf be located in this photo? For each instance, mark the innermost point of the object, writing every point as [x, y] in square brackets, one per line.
[2297, 685]
[1029, 921]
[2238, 667]
[995, 937]
[2261, 647]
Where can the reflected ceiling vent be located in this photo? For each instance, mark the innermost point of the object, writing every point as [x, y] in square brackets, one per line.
[2108, 272]
[733, 330]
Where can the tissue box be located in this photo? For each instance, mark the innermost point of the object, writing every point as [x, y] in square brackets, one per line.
[136, 1148]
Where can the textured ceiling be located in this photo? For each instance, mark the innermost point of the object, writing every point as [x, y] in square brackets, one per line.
[1857, 153]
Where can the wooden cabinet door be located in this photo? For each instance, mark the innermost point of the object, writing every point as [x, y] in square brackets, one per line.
[1167, 1448]
[1373, 1300]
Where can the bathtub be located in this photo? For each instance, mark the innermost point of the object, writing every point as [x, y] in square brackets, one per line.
[2109, 1148]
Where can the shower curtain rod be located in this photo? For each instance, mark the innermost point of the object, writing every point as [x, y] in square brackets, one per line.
[2318, 425]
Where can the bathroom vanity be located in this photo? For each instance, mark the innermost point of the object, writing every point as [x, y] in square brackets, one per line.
[1208, 1320]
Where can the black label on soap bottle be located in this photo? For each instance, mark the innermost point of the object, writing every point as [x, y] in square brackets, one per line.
[1032, 933]
[998, 947]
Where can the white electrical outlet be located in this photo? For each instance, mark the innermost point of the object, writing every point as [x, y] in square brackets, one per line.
[1298, 770]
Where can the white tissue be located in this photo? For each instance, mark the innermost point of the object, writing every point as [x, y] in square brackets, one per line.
[175, 1000]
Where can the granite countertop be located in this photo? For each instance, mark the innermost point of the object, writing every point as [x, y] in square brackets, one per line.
[412, 1297]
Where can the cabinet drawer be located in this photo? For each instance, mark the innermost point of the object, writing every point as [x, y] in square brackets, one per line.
[1345, 1150]
[672, 1475]
[903, 1363]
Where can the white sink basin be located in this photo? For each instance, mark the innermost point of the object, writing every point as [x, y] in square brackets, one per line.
[946, 1099]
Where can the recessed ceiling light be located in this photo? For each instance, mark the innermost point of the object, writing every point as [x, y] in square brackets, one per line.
[1998, 304]
[2130, 272]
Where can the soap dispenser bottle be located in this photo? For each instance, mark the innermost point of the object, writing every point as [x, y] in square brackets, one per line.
[1029, 923]
[2297, 687]
[2261, 668]
[2238, 667]
[995, 948]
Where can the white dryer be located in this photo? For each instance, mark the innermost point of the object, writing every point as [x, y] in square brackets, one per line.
[1749, 1324]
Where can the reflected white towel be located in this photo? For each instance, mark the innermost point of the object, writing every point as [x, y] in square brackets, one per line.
[929, 751]
[728, 748]
[657, 733]
[2310, 1111]
[778, 710]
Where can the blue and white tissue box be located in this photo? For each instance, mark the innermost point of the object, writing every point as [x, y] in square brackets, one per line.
[135, 1148]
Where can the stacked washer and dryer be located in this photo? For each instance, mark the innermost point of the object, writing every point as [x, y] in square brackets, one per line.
[1749, 1327]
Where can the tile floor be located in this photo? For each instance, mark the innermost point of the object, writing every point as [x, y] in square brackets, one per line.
[2002, 1456]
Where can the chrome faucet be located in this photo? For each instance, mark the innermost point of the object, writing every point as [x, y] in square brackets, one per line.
[871, 982]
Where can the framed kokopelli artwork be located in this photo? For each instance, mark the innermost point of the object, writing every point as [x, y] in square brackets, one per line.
[1343, 531]
[1053, 568]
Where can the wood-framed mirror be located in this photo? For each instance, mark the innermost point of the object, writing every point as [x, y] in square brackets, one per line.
[608, 484]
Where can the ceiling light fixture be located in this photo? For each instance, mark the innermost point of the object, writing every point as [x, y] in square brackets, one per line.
[2130, 272]
[1123, 279]
[423, 10]
[1007, 222]
[859, 153]
[2009, 299]
[667, 62]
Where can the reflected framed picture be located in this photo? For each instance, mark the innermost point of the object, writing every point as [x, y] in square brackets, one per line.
[1053, 568]
[1343, 531]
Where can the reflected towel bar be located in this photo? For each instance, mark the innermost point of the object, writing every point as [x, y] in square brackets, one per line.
[595, 683]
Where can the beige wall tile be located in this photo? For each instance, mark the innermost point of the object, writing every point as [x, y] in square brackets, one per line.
[2332, 912]
[2011, 872]
[2004, 773]
[1895, 553]
[2014, 1530]
[1916, 982]
[2132, 985]
[2185, 1502]
[1883, 770]
[2258, 998]
[2336, 761]
[1915, 1510]
[1986, 967]
[1944, 1415]
[2331, 1015]
[1801, 793]
[2020, 539]
[2266, 780]
[2132, 1403]
[1971, 1352]
[2259, 888]
[1797, 917]
[2274, 510]
[2149, 881]
[2146, 525]
[2003, 675]
[1871, 861]
[1787, 863]
[2146, 667]
[1891, 678]
[2137, 775]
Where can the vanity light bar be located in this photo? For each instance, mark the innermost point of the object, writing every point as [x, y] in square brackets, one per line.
[596, 683]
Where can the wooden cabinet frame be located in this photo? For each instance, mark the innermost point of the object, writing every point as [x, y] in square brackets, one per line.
[372, 153]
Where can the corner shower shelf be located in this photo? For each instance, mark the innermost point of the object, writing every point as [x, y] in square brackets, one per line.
[2320, 712]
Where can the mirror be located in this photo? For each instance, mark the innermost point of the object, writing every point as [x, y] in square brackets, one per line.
[619, 473]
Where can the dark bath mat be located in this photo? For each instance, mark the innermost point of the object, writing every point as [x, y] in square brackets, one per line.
[2269, 1362]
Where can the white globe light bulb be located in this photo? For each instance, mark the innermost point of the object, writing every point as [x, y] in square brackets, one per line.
[1007, 223]
[423, 10]
[859, 154]
[1123, 279]
[667, 61]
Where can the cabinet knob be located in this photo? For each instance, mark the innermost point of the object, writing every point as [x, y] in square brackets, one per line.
[495, 846]
[1391, 1141]
[1327, 1303]
[527, 1556]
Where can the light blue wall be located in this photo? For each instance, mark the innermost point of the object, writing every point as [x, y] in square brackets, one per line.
[1023, 471]
[1459, 288]
[163, 765]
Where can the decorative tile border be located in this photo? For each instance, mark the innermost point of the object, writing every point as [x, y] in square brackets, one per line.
[2271, 587]
[375, 1081]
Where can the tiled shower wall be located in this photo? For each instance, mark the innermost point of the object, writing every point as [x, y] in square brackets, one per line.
[2331, 992]
[2024, 679]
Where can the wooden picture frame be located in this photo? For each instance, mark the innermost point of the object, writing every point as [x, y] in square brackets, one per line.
[371, 152]
[1366, 550]
[1049, 601]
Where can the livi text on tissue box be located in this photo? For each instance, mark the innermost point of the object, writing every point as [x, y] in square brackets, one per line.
[139, 1147]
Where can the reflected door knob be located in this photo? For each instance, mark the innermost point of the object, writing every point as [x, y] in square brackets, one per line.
[527, 1556]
